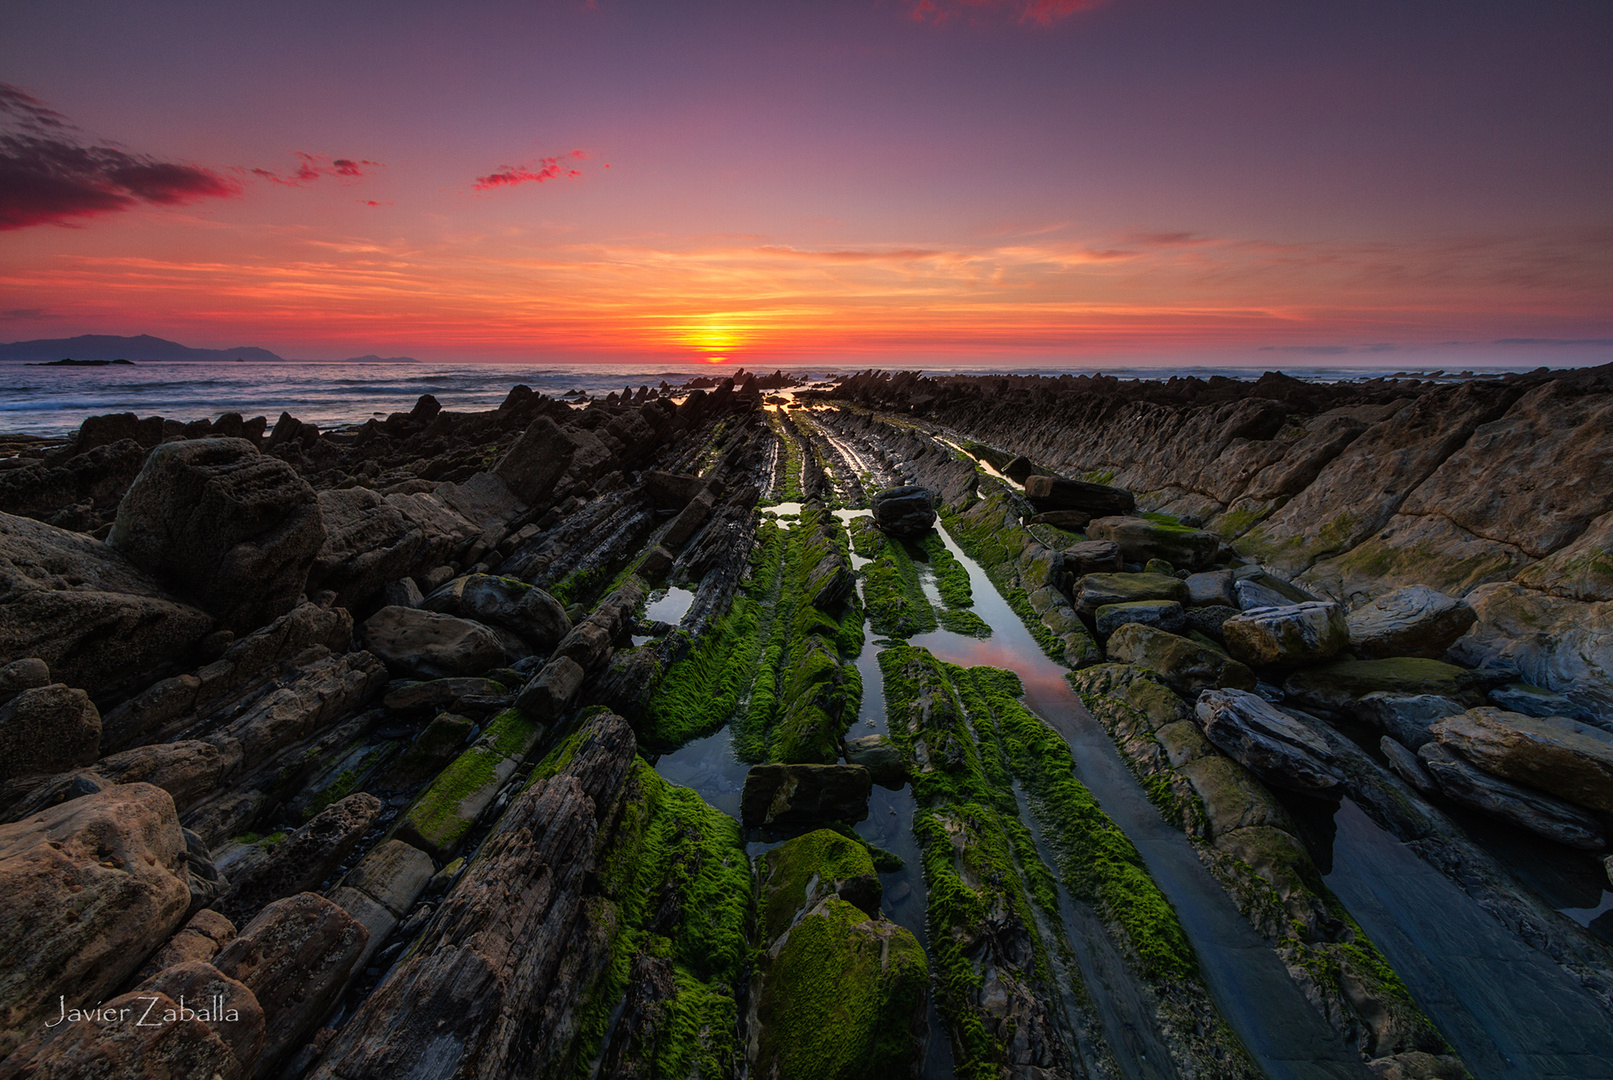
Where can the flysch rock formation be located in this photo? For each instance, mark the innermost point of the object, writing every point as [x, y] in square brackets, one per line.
[361, 751]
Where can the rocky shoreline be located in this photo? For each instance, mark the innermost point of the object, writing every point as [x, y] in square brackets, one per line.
[357, 732]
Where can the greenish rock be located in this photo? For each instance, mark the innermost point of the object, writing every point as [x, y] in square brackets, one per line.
[799, 873]
[445, 812]
[880, 757]
[1159, 566]
[841, 996]
[1160, 614]
[1232, 797]
[1142, 540]
[1098, 590]
[430, 751]
[1334, 688]
[1185, 665]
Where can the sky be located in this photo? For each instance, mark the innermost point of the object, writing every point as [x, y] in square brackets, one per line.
[886, 182]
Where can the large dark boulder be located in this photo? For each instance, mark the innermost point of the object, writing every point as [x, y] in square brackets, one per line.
[1056, 493]
[785, 795]
[224, 525]
[904, 511]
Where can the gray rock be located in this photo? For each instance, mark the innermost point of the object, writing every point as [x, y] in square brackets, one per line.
[306, 858]
[689, 520]
[1527, 808]
[1056, 493]
[904, 511]
[410, 639]
[787, 795]
[1275, 746]
[1417, 621]
[1187, 666]
[1069, 520]
[233, 529]
[1538, 701]
[881, 758]
[1092, 557]
[536, 461]
[1208, 620]
[1160, 614]
[1094, 591]
[552, 690]
[504, 602]
[830, 584]
[1140, 540]
[1288, 636]
[402, 593]
[1407, 765]
[1252, 595]
[1570, 760]
[671, 491]
[1212, 588]
[1406, 717]
[48, 729]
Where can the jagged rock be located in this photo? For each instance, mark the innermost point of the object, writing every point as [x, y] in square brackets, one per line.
[84, 609]
[1140, 540]
[415, 697]
[1334, 688]
[445, 812]
[1056, 493]
[381, 890]
[19, 675]
[624, 687]
[1253, 596]
[656, 562]
[881, 758]
[904, 511]
[1069, 520]
[402, 593]
[536, 461]
[1551, 641]
[496, 601]
[306, 858]
[1406, 717]
[1287, 636]
[429, 752]
[473, 999]
[233, 529]
[553, 689]
[1538, 701]
[1407, 765]
[410, 639]
[1099, 590]
[224, 1004]
[1092, 557]
[1184, 664]
[671, 491]
[785, 795]
[830, 584]
[1212, 588]
[200, 939]
[592, 640]
[93, 886]
[48, 729]
[368, 543]
[1525, 807]
[1568, 759]
[1409, 622]
[128, 1050]
[86, 486]
[1273, 745]
[1160, 614]
[295, 957]
[187, 769]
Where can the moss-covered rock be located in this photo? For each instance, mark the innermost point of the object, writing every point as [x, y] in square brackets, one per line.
[1185, 665]
[445, 812]
[1333, 688]
[1099, 590]
[1141, 540]
[840, 996]
[799, 873]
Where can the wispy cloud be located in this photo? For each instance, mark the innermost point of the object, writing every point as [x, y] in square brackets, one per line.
[549, 168]
[50, 175]
[311, 167]
[1037, 12]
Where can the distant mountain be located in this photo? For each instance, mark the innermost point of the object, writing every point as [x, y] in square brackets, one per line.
[112, 347]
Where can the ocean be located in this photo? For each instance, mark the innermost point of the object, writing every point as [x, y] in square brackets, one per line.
[43, 400]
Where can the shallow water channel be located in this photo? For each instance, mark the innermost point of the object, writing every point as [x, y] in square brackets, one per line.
[1507, 1009]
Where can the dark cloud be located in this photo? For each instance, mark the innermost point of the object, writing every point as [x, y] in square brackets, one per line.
[49, 175]
[23, 314]
[549, 168]
[311, 167]
[1602, 342]
[1332, 350]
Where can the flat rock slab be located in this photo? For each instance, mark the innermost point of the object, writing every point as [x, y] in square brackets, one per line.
[1187, 666]
[1056, 493]
[1334, 688]
[1094, 591]
[1571, 760]
[1141, 540]
[1407, 717]
[784, 795]
[1160, 614]
[1525, 807]
[1276, 747]
[432, 643]
[1418, 621]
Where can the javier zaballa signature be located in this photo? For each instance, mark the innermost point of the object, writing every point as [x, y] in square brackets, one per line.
[211, 1013]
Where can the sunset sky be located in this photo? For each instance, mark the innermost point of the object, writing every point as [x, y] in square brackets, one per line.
[871, 181]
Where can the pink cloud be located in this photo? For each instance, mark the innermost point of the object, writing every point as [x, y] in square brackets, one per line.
[311, 167]
[1040, 12]
[549, 168]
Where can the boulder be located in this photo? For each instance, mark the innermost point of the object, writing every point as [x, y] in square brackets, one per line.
[1287, 636]
[19, 675]
[127, 1050]
[539, 618]
[93, 886]
[235, 530]
[1094, 591]
[1068, 520]
[553, 689]
[689, 520]
[787, 795]
[671, 491]
[795, 876]
[1278, 748]
[1185, 665]
[187, 769]
[1334, 688]
[305, 859]
[1525, 807]
[1140, 540]
[1406, 765]
[85, 610]
[1417, 621]
[222, 1003]
[1212, 588]
[409, 639]
[1564, 757]
[1208, 620]
[1253, 595]
[1406, 718]
[1092, 557]
[904, 511]
[1160, 614]
[1056, 493]
[1021, 468]
[830, 584]
[536, 461]
[48, 729]
[295, 957]
[200, 939]
[881, 758]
